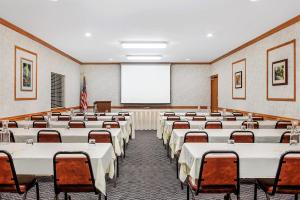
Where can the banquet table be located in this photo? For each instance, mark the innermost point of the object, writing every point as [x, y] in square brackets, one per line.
[124, 125]
[37, 159]
[75, 135]
[257, 160]
[266, 124]
[222, 136]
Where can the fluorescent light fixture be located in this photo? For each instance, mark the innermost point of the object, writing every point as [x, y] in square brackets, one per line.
[209, 35]
[187, 59]
[254, 0]
[54, 0]
[144, 57]
[88, 34]
[110, 59]
[144, 45]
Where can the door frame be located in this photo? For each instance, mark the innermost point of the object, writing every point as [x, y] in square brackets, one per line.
[215, 76]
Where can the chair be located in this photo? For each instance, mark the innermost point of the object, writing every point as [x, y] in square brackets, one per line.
[219, 173]
[287, 180]
[173, 118]
[237, 114]
[285, 137]
[40, 124]
[242, 136]
[168, 114]
[255, 124]
[283, 124]
[102, 114]
[190, 114]
[12, 137]
[215, 114]
[79, 114]
[37, 117]
[230, 118]
[213, 125]
[118, 118]
[199, 118]
[73, 173]
[100, 136]
[91, 118]
[56, 114]
[64, 118]
[181, 125]
[13, 183]
[111, 124]
[11, 124]
[123, 114]
[257, 118]
[48, 136]
[76, 124]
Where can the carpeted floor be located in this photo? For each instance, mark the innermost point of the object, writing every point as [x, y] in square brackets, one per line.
[146, 174]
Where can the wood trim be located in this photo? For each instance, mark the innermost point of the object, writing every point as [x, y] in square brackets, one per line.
[259, 38]
[171, 63]
[153, 107]
[22, 117]
[292, 42]
[36, 39]
[245, 74]
[15, 76]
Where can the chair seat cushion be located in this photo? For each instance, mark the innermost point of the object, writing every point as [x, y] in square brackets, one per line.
[75, 188]
[26, 182]
[267, 186]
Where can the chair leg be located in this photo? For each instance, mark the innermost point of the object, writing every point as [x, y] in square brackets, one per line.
[177, 166]
[37, 191]
[99, 196]
[296, 196]
[56, 197]
[24, 196]
[255, 191]
[118, 165]
[124, 147]
[66, 196]
[267, 196]
[187, 192]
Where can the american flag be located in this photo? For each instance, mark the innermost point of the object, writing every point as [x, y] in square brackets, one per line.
[83, 97]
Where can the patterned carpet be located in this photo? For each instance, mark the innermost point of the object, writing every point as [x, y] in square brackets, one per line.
[145, 174]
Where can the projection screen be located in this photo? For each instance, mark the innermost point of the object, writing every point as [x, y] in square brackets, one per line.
[145, 83]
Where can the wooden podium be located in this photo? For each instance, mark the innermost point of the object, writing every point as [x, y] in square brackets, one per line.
[102, 106]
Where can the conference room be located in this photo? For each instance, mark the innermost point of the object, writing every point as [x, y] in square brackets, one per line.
[149, 100]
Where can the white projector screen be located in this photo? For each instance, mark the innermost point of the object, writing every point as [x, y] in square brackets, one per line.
[145, 83]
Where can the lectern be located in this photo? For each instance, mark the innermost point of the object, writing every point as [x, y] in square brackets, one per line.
[102, 106]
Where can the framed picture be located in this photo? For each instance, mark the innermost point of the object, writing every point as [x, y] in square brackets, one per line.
[238, 80]
[280, 72]
[26, 74]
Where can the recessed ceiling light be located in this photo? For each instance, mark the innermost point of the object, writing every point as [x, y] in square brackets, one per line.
[54, 0]
[209, 35]
[144, 45]
[254, 0]
[88, 34]
[110, 59]
[144, 57]
[187, 59]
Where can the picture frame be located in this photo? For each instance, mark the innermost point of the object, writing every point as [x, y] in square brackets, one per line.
[280, 72]
[238, 80]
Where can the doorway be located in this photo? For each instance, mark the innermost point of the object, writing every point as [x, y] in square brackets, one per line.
[214, 93]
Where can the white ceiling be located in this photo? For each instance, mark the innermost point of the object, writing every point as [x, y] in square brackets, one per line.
[184, 24]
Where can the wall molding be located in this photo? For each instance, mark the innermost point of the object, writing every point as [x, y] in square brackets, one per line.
[232, 79]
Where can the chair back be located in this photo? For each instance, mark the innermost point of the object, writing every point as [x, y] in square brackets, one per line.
[168, 114]
[181, 125]
[100, 136]
[190, 114]
[72, 169]
[196, 137]
[248, 124]
[230, 118]
[257, 118]
[40, 124]
[91, 118]
[199, 118]
[76, 124]
[242, 136]
[64, 118]
[285, 137]
[213, 125]
[56, 113]
[80, 114]
[173, 118]
[11, 124]
[123, 113]
[118, 118]
[215, 114]
[219, 168]
[37, 117]
[48, 136]
[237, 114]
[102, 114]
[283, 124]
[111, 124]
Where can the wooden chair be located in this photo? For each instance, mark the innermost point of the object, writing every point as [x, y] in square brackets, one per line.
[64, 118]
[40, 124]
[66, 181]
[80, 114]
[213, 125]
[111, 124]
[218, 174]
[91, 118]
[283, 124]
[37, 117]
[76, 124]
[230, 118]
[173, 118]
[13, 183]
[215, 114]
[287, 180]
[168, 114]
[181, 125]
[102, 114]
[199, 118]
[118, 118]
[190, 114]
[242, 136]
[124, 114]
[285, 137]
[11, 124]
[248, 124]
[48, 136]
[257, 118]
[237, 114]
[56, 114]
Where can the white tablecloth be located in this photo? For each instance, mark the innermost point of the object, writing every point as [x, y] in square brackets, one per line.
[75, 135]
[37, 159]
[222, 136]
[257, 160]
